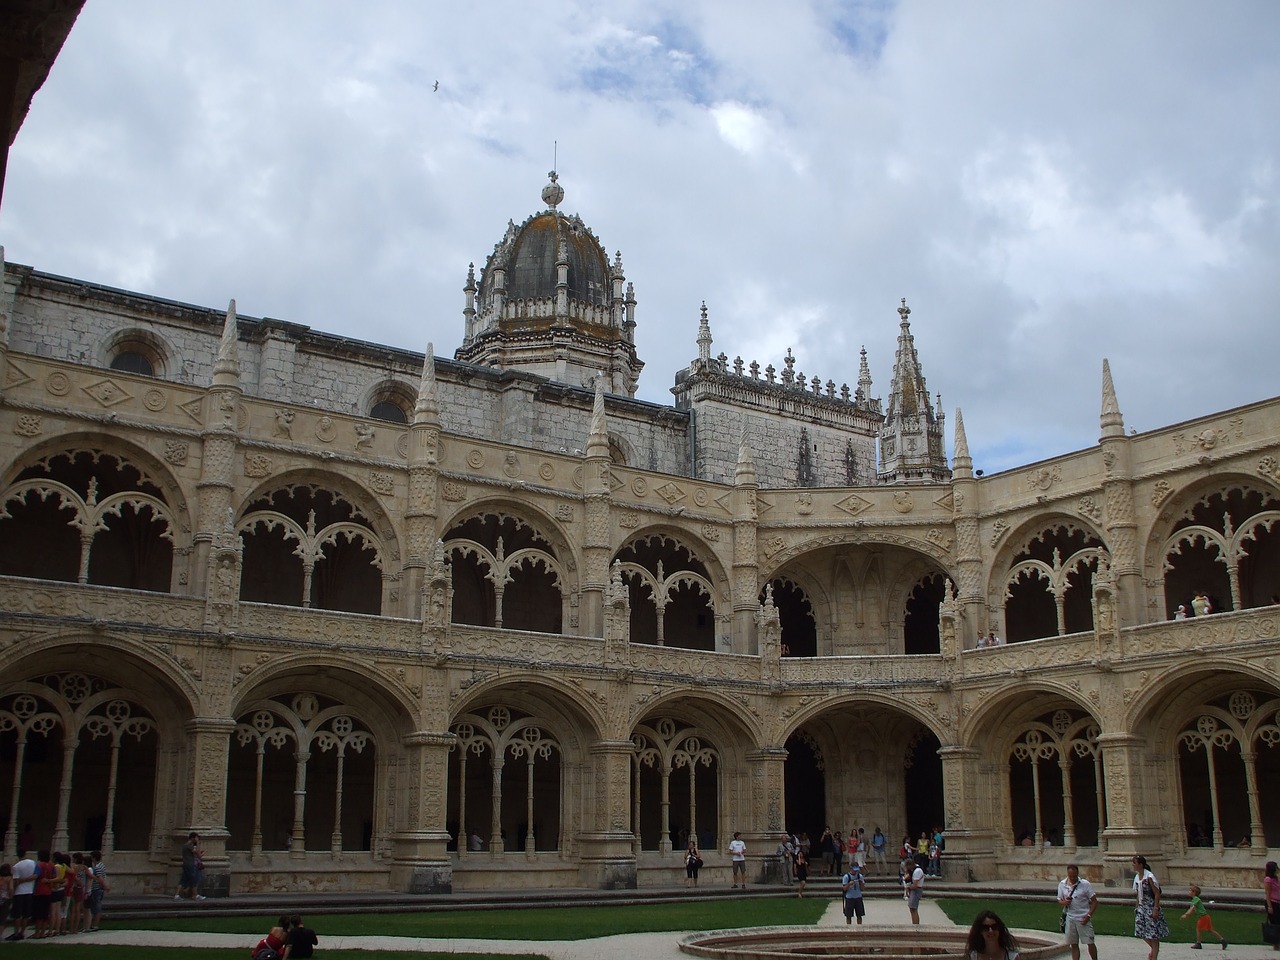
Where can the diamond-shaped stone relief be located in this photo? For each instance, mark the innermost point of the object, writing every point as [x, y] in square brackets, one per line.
[670, 492]
[108, 392]
[854, 504]
[15, 376]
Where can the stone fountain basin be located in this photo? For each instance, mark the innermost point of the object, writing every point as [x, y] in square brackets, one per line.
[881, 943]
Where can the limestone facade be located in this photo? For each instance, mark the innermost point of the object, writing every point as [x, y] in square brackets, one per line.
[329, 602]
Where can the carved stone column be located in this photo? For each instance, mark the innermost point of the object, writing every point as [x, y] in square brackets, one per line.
[420, 513]
[421, 862]
[219, 438]
[608, 854]
[205, 803]
[971, 850]
[1131, 826]
[765, 827]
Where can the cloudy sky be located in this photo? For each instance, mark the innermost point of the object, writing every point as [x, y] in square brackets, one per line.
[1046, 183]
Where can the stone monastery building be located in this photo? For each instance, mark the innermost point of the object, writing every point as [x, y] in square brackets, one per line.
[333, 603]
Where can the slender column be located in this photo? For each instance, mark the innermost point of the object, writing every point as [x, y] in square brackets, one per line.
[308, 568]
[1068, 813]
[60, 838]
[664, 834]
[1100, 799]
[496, 845]
[635, 802]
[1035, 793]
[1060, 603]
[693, 799]
[1213, 796]
[528, 805]
[498, 591]
[335, 840]
[1257, 847]
[463, 846]
[298, 844]
[109, 834]
[11, 835]
[255, 849]
[86, 544]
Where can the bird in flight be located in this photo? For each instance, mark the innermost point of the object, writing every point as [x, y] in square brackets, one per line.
[436, 87]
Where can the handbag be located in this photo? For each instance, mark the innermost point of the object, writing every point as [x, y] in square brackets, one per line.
[1062, 920]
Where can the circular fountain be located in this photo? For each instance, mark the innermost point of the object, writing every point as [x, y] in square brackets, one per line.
[881, 943]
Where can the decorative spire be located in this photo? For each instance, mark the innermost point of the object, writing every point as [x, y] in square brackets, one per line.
[912, 444]
[428, 406]
[963, 462]
[704, 337]
[1112, 421]
[864, 376]
[598, 441]
[226, 369]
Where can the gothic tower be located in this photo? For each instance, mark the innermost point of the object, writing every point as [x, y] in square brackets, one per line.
[912, 449]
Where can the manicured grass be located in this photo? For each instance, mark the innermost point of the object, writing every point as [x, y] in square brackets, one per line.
[1109, 920]
[543, 923]
[103, 951]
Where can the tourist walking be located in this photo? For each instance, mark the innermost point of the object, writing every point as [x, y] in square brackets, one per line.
[192, 855]
[738, 858]
[802, 873]
[1078, 902]
[851, 885]
[96, 873]
[1149, 923]
[1271, 901]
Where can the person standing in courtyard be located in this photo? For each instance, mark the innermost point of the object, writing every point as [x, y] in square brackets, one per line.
[1078, 902]
[738, 858]
[802, 873]
[913, 880]
[878, 843]
[851, 885]
[692, 864]
[1149, 923]
[1271, 900]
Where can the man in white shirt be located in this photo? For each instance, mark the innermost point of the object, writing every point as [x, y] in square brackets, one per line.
[738, 855]
[1076, 896]
[915, 890]
[24, 886]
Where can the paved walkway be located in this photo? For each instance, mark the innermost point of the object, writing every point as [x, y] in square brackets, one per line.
[881, 912]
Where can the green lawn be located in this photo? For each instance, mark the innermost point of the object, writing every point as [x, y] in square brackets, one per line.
[1109, 920]
[543, 923]
[77, 951]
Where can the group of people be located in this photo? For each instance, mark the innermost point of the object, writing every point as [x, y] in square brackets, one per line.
[1200, 605]
[289, 939]
[990, 640]
[52, 894]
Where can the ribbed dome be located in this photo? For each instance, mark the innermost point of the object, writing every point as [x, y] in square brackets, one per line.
[530, 261]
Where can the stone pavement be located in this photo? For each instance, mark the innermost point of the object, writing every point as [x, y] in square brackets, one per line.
[881, 912]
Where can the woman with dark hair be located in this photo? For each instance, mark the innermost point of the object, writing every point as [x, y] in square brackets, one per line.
[1149, 923]
[1271, 896]
[990, 939]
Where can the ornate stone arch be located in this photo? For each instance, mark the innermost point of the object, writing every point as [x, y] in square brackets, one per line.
[75, 495]
[1031, 564]
[318, 535]
[667, 569]
[509, 560]
[1207, 537]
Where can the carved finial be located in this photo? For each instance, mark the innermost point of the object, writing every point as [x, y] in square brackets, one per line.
[962, 461]
[704, 336]
[1111, 420]
[746, 469]
[428, 405]
[226, 369]
[598, 440]
[553, 193]
[904, 311]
